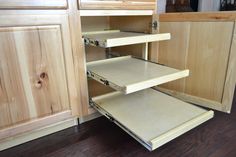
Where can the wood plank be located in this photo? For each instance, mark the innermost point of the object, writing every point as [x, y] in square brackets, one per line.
[34, 124]
[37, 133]
[13, 102]
[208, 54]
[81, 108]
[131, 24]
[198, 17]
[118, 4]
[157, 115]
[96, 12]
[174, 53]
[193, 99]
[136, 76]
[33, 4]
[230, 81]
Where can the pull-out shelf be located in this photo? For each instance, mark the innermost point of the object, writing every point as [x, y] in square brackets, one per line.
[151, 117]
[128, 74]
[108, 39]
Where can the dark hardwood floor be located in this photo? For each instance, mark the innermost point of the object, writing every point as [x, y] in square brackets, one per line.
[100, 137]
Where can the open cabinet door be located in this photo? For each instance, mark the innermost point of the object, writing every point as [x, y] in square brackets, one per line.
[207, 47]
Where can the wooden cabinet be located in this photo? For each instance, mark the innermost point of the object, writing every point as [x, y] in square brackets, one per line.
[204, 45]
[37, 86]
[33, 4]
[43, 82]
[118, 4]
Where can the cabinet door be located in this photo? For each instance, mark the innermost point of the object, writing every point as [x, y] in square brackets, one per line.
[117, 4]
[205, 49]
[33, 4]
[35, 66]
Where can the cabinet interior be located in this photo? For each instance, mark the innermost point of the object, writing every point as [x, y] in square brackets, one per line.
[140, 24]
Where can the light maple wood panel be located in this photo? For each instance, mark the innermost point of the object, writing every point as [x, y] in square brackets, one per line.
[198, 16]
[13, 102]
[39, 55]
[39, 49]
[174, 52]
[208, 53]
[203, 48]
[33, 4]
[117, 4]
[46, 68]
[230, 81]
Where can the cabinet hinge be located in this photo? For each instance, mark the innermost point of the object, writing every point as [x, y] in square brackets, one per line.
[154, 25]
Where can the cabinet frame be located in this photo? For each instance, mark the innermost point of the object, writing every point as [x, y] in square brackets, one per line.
[33, 4]
[117, 4]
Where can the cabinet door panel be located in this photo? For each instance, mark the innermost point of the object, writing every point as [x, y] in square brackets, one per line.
[33, 4]
[117, 4]
[174, 52]
[203, 48]
[35, 72]
[43, 52]
[13, 103]
[209, 48]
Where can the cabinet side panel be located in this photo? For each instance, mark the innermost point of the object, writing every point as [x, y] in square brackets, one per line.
[208, 54]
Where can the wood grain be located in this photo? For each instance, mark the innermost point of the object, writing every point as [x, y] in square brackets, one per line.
[117, 4]
[79, 68]
[230, 81]
[198, 17]
[204, 49]
[134, 24]
[208, 53]
[174, 52]
[33, 4]
[41, 60]
[33, 124]
[13, 100]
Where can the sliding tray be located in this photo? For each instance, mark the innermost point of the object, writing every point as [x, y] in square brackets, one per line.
[107, 39]
[151, 117]
[128, 74]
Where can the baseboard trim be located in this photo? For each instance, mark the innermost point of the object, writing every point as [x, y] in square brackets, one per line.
[89, 117]
[37, 133]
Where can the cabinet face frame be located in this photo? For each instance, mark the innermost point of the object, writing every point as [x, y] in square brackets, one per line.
[51, 20]
[33, 4]
[117, 4]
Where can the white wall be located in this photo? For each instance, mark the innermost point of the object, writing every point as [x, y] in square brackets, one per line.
[208, 5]
[161, 6]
